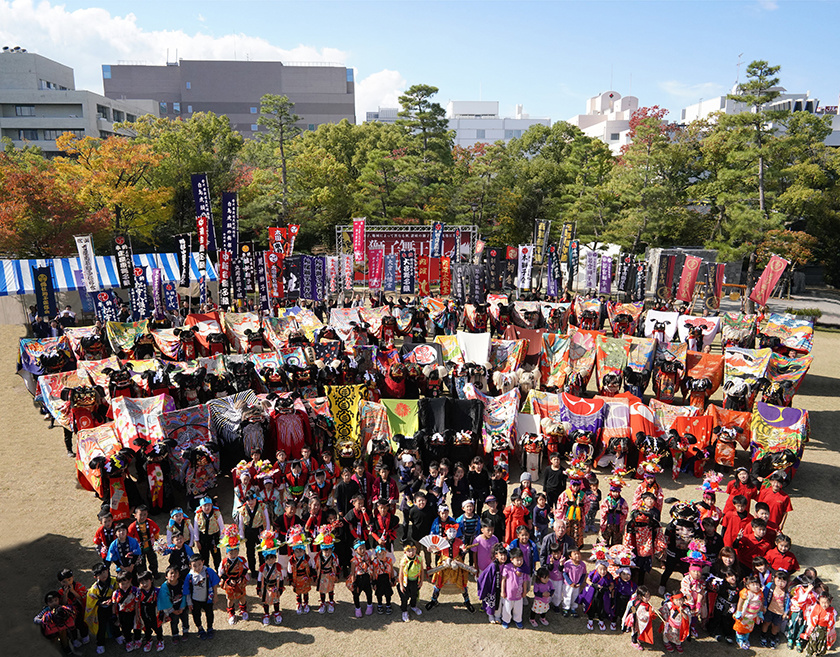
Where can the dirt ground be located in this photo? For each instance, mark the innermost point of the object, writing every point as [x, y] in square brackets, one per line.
[47, 523]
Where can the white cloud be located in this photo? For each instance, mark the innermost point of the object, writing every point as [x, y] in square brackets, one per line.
[768, 5]
[87, 38]
[381, 89]
[692, 92]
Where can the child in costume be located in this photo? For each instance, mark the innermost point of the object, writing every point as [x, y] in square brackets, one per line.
[271, 577]
[359, 580]
[625, 589]
[253, 520]
[233, 574]
[516, 515]
[124, 551]
[542, 597]
[726, 601]
[514, 588]
[105, 533]
[172, 604]
[200, 591]
[693, 585]
[382, 566]
[178, 522]
[383, 530]
[410, 579]
[821, 630]
[596, 598]
[179, 556]
[638, 619]
[124, 602]
[74, 595]
[750, 608]
[777, 603]
[614, 511]
[301, 572]
[98, 614]
[451, 569]
[145, 532]
[649, 469]
[207, 529]
[326, 568]
[147, 601]
[490, 584]
[803, 595]
[572, 505]
[643, 535]
[593, 502]
[676, 622]
[574, 576]
[57, 622]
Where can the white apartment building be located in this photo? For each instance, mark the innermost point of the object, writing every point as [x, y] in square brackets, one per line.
[475, 121]
[608, 118]
[39, 101]
[383, 115]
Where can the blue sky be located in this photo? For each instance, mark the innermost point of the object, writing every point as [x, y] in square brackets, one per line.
[548, 56]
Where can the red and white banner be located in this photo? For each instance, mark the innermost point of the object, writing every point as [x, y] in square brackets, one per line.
[347, 270]
[445, 277]
[274, 273]
[376, 266]
[332, 274]
[201, 227]
[276, 239]
[359, 239]
[423, 275]
[294, 229]
[224, 278]
[691, 267]
[768, 279]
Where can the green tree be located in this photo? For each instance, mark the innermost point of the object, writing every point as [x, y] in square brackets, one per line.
[427, 120]
[278, 118]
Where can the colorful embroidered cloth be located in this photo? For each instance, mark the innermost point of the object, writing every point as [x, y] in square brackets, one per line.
[727, 419]
[31, 350]
[642, 419]
[640, 356]
[709, 325]
[616, 418]
[188, 427]
[541, 403]
[235, 325]
[474, 347]
[633, 309]
[340, 319]
[789, 368]
[581, 353]
[499, 415]
[507, 355]
[705, 366]
[344, 406]
[90, 443]
[75, 334]
[672, 351]
[207, 323]
[524, 309]
[374, 422]
[94, 370]
[51, 385]
[307, 321]
[140, 418]
[664, 414]
[122, 335]
[451, 350]
[226, 415]
[738, 329]
[699, 426]
[553, 361]
[533, 336]
[402, 415]
[583, 414]
[422, 354]
[611, 355]
[167, 343]
[565, 310]
[777, 428]
[373, 316]
[493, 303]
[795, 333]
[582, 305]
[746, 363]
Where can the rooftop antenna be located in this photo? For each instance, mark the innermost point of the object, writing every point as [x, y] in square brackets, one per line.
[738, 69]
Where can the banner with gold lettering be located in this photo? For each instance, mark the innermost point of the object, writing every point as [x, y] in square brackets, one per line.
[423, 275]
[691, 267]
[45, 303]
[768, 279]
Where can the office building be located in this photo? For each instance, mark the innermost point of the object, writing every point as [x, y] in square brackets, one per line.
[320, 93]
[478, 121]
[608, 118]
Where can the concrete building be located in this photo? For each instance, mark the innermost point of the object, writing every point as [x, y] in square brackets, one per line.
[39, 101]
[608, 118]
[793, 102]
[383, 115]
[321, 94]
[478, 121]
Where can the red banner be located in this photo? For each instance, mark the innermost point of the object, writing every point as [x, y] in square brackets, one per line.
[445, 277]
[768, 279]
[274, 273]
[691, 267]
[376, 265]
[359, 239]
[512, 253]
[201, 223]
[423, 275]
[276, 239]
[719, 280]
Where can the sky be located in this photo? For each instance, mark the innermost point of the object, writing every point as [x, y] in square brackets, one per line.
[549, 56]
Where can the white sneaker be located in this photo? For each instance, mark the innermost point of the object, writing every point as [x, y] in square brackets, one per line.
[405, 616]
[244, 615]
[331, 608]
[231, 620]
[417, 611]
[278, 618]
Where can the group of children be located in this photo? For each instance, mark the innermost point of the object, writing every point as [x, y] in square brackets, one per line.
[311, 527]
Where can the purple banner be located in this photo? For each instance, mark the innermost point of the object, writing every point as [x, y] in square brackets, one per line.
[170, 296]
[139, 296]
[262, 281]
[307, 277]
[202, 290]
[201, 198]
[230, 222]
[157, 292]
[84, 295]
[407, 272]
[389, 276]
[319, 270]
[436, 247]
[606, 275]
[246, 256]
[591, 270]
[551, 284]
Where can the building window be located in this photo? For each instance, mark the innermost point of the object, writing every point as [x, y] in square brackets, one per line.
[189, 109]
[176, 109]
[103, 112]
[130, 118]
[118, 116]
[52, 135]
[189, 86]
[30, 135]
[479, 134]
[254, 127]
[253, 110]
[163, 108]
[311, 127]
[349, 74]
[614, 136]
[24, 110]
[106, 71]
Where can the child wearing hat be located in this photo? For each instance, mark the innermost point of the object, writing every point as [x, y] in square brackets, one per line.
[208, 526]
[572, 505]
[270, 577]
[359, 580]
[676, 622]
[614, 511]
[326, 568]
[178, 522]
[410, 579]
[300, 569]
[98, 611]
[233, 574]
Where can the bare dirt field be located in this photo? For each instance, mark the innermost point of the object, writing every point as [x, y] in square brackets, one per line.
[47, 523]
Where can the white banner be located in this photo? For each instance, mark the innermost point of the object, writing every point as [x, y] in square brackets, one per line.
[84, 243]
[526, 259]
[347, 267]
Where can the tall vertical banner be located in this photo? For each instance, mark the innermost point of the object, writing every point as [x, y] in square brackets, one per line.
[84, 244]
[445, 277]
[170, 296]
[554, 267]
[551, 279]
[458, 292]
[478, 284]
[125, 262]
[542, 229]
[320, 278]
[45, 304]
[458, 245]
[408, 270]
[184, 249]
[495, 266]
[224, 279]
[719, 276]
[641, 282]
[767, 281]
[606, 275]
[203, 210]
[157, 292]
[202, 289]
[376, 264]
[436, 242]
[84, 296]
[389, 275]
[714, 285]
[333, 281]
[277, 240]
[261, 279]
[624, 276]
[246, 257]
[591, 270]
[138, 296]
[511, 260]
[359, 239]
[423, 275]
[273, 273]
[230, 222]
[106, 307]
[691, 267]
[565, 237]
[237, 278]
[201, 229]
[574, 255]
[307, 274]
[479, 249]
[526, 260]
[347, 269]
[665, 277]
[294, 229]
